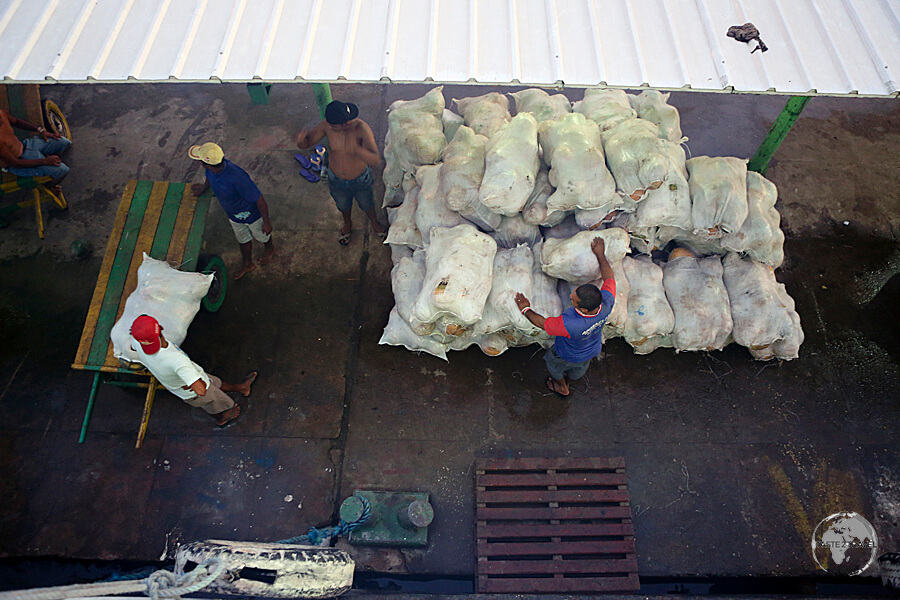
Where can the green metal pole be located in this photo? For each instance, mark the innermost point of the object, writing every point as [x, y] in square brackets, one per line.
[783, 124]
[323, 97]
[90, 407]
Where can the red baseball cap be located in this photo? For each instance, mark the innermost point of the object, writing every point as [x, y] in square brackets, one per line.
[146, 330]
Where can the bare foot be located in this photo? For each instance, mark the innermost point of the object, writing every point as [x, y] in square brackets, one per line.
[56, 189]
[227, 416]
[267, 256]
[245, 387]
[558, 387]
[243, 271]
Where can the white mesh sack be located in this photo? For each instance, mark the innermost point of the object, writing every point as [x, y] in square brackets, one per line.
[654, 106]
[572, 259]
[398, 333]
[607, 108]
[512, 275]
[760, 317]
[670, 203]
[618, 317]
[484, 114]
[403, 231]
[451, 122]
[461, 176]
[170, 296]
[650, 318]
[789, 347]
[718, 194]
[415, 137]
[698, 297]
[535, 210]
[542, 105]
[459, 268]
[545, 299]
[432, 211]
[760, 236]
[511, 166]
[407, 278]
[573, 149]
[636, 156]
[513, 231]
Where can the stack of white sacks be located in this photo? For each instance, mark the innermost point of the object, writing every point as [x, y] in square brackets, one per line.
[487, 204]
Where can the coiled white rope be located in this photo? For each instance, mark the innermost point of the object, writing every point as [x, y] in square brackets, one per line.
[159, 585]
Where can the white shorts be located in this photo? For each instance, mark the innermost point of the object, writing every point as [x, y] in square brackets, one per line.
[245, 232]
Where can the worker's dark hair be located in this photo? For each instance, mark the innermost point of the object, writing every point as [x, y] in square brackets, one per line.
[589, 297]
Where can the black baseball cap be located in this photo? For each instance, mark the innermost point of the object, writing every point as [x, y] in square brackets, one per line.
[338, 112]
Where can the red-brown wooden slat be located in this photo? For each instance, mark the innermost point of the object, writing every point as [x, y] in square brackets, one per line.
[533, 496]
[559, 585]
[546, 513]
[550, 567]
[520, 544]
[568, 530]
[551, 548]
[546, 479]
[540, 464]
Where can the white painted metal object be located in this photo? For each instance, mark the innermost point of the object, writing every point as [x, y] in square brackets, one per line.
[272, 570]
[831, 47]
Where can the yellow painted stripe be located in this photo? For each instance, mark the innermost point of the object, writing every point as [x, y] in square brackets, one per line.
[182, 228]
[792, 504]
[143, 244]
[90, 322]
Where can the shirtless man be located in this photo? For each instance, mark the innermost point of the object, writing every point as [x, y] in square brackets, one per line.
[36, 156]
[351, 156]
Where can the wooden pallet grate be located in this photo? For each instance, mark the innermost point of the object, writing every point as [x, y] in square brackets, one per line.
[554, 525]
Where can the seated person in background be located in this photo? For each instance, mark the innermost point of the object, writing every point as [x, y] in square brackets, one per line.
[35, 157]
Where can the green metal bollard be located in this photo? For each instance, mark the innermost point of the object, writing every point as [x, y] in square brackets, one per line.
[783, 124]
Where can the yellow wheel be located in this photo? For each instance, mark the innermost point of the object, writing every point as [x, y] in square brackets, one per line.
[55, 121]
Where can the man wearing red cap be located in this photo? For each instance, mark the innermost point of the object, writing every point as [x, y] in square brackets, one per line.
[182, 376]
[352, 154]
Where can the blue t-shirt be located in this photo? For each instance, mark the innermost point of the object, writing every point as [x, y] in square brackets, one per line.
[578, 337]
[236, 192]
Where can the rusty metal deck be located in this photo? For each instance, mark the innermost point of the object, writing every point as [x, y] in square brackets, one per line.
[554, 525]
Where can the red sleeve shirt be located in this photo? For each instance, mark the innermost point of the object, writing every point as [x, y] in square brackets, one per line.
[610, 286]
[555, 326]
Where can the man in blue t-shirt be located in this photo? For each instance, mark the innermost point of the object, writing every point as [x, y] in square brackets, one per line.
[578, 331]
[241, 200]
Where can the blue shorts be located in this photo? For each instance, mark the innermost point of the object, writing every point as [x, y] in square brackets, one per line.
[35, 148]
[559, 367]
[344, 191]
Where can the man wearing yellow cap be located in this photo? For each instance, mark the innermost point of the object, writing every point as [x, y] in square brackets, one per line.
[241, 200]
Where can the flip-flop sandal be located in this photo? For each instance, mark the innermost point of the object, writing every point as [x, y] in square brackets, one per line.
[252, 376]
[231, 416]
[304, 162]
[309, 175]
[344, 238]
[549, 384]
[315, 162]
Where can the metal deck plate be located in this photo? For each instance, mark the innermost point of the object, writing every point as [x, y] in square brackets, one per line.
[383, 528]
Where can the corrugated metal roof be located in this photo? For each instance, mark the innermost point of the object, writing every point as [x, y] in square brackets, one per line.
[831, 47]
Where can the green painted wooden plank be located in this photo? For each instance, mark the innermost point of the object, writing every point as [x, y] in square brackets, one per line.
[195, 237]
[119, 273]
[167, 221]
[16, 96]
[776, 135]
